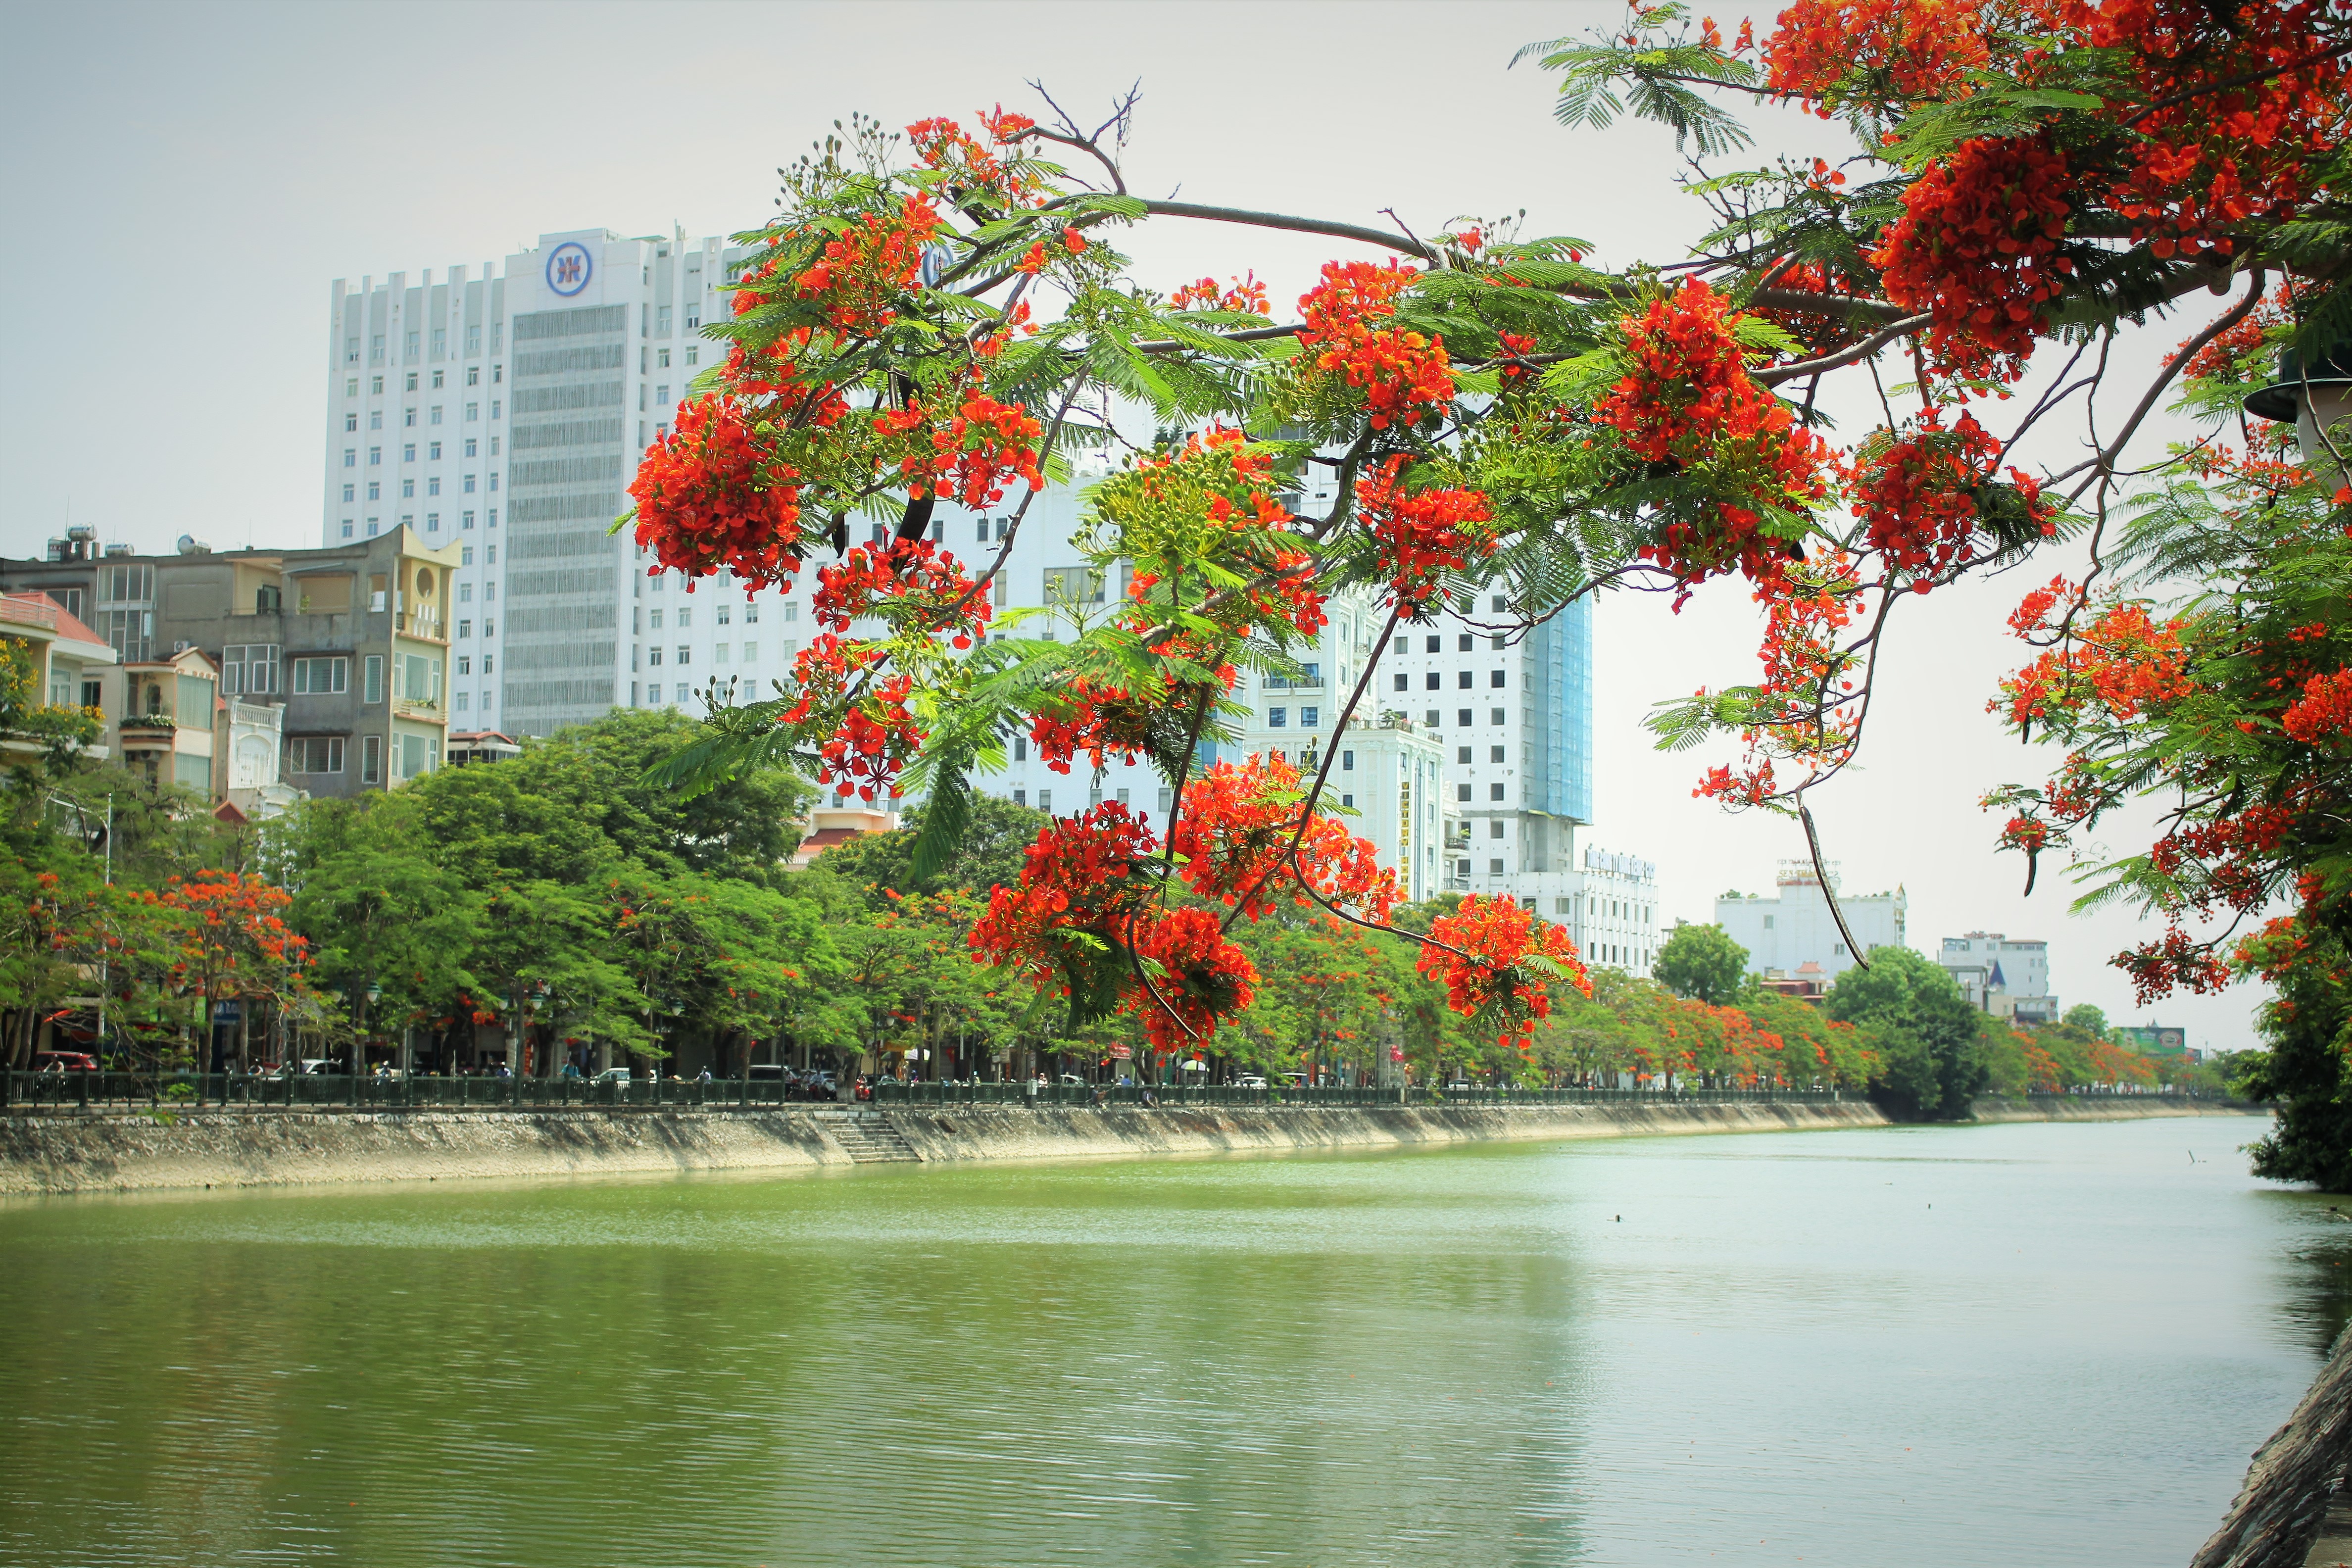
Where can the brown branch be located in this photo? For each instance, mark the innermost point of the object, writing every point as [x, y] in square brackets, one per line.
[1381, 237]
[2103, 464]
[1813, 843]
[1860, 350]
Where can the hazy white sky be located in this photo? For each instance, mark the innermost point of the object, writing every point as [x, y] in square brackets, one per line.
[184, 180]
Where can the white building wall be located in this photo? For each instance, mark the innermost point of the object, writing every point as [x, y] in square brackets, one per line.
[1997, 973]
[423, 423]
[1795, 926]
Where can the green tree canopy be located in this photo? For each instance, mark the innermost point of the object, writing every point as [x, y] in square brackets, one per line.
[1702, 963]
[1924, 1032]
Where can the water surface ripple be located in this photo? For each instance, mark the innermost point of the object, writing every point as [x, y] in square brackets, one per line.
[2023, 1344]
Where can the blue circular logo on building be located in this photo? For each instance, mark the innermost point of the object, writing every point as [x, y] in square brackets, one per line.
[568, 269]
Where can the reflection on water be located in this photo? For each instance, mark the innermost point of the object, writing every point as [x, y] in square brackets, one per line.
[2045, 1344]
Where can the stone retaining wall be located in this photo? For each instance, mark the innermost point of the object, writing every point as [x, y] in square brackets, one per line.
[180, 1149]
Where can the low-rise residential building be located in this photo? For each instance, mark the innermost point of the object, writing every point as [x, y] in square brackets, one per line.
[70, 661]
[2006, 976]
[1795, 926]
[160, 717]
[349, 645]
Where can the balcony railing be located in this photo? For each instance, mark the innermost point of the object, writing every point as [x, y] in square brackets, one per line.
[28, 612]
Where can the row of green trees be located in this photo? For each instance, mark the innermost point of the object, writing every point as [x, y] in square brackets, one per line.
[600, 918]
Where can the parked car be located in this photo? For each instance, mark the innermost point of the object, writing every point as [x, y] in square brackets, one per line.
[767, 1072]
[64, 1061]
[1249, 1080]
[613, 1075]
[1072, 1079]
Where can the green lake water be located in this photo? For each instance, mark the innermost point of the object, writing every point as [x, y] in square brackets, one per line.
[2035, 1344]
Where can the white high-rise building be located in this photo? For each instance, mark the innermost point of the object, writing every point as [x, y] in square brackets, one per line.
[506, 413]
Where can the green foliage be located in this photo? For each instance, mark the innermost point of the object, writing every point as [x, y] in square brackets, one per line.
[1702, 962]
[2089, 1019]
[1923, 1029]
[986, 851]
[2308, 1029]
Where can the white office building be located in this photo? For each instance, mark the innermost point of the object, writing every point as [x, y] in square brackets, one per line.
[1794, 928]
[2006, 976]
[505, 412]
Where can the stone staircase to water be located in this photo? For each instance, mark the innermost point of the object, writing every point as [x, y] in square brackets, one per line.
[869, 1137]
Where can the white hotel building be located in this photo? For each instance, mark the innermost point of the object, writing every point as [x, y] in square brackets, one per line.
[505, 412]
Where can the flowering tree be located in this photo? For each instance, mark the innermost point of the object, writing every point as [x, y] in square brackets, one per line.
[944, 316]
[222, 936]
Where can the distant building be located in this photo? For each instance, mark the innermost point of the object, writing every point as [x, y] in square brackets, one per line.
[831, 826]
[482, 408]
[1794, 929]
[71, 662]
[2008, 977]
[348, 646]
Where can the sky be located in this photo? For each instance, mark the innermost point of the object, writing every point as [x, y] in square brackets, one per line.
[186, 181]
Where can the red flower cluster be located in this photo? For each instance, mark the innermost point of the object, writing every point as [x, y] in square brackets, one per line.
[1082, 904]
[857, 281]
[2157, 968]
[1403, 377]
[709, 500]
[2122, 660]
[1906, 49]
[2227, 134]
[1203, 978]
[1080, 876]
[1920, 496]
[877, 740]
[1686, 400]
[1233, 833]
[1422, 536]
[1977, 247]
[2324, 711]
[927, 582]
[1246, 296]
[976, 171]
[1487, 974]
[970, 455]
[1106, 723]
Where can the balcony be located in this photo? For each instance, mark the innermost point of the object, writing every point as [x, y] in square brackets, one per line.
[420, 623]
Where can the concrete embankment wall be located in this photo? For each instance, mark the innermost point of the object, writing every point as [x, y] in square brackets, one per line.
[119, 1153]
[2102, 1108]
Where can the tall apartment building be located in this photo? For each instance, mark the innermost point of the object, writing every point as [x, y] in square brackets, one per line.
[502, 414]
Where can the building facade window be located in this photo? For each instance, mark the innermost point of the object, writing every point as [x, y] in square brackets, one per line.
[321, 677]
[373, 689]
[315, 754]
